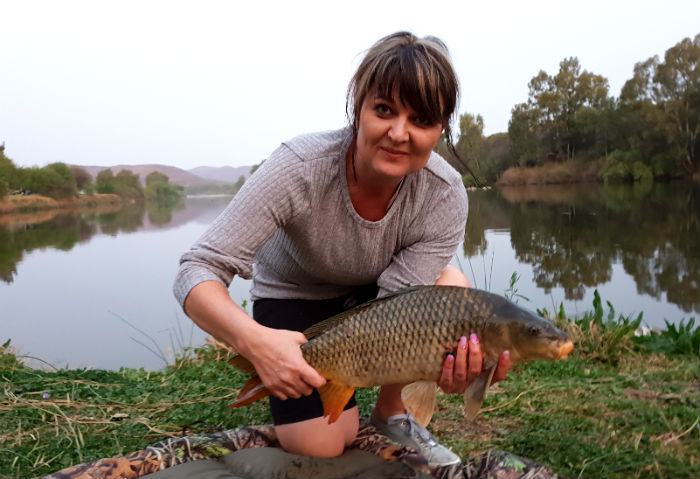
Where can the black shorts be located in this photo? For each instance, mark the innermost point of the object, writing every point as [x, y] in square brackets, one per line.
[298, 315]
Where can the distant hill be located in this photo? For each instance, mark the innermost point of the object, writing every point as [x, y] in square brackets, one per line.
[229, 174]
[174, 174]
[195, 176]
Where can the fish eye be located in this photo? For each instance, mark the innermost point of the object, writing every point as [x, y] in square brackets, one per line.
[534, 330]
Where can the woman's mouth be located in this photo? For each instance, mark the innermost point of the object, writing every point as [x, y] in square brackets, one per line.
[394, 154]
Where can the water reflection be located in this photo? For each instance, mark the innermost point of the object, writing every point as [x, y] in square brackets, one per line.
[570, 235]
[23, 233]
[573, 235]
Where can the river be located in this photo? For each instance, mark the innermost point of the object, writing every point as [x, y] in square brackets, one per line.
[93, 289]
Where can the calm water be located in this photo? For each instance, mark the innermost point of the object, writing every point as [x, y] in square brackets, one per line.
[75, 288]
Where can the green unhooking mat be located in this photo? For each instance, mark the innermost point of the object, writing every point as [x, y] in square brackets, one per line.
[253, 451]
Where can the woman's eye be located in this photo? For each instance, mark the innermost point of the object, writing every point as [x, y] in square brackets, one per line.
[422, 121]
[382, 109]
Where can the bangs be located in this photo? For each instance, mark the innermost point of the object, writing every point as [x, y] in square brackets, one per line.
[421, 88]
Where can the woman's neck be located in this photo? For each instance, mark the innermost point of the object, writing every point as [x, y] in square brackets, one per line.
[371, 194]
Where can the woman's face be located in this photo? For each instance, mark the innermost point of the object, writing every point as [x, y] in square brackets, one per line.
[392, 139]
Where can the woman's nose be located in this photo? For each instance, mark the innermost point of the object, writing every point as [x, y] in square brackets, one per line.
[398, 132]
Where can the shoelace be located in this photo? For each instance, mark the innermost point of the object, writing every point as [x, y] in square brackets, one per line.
[422, 434]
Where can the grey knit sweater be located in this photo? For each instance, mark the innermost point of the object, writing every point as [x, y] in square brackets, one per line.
[293, 229]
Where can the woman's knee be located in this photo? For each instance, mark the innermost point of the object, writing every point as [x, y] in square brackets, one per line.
[452, 276]
[317, 438]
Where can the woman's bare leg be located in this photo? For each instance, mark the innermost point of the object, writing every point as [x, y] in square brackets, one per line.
[315, 437]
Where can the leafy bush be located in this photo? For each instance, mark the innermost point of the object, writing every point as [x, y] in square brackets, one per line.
[8, 358]
[597, 335]
[641, 172]
[681, 340]
[663, 164]
[54, 180]
[125, 184]
[620, 166]
[159, 189]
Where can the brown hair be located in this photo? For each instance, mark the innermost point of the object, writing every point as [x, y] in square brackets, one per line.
[418, 70]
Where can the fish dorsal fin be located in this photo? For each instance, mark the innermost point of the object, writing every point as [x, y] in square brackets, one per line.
[323, 326]
[476, 391]
[419, 400]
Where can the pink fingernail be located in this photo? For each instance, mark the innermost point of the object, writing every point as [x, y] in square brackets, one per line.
[449, 358]
[463, 342]
[473, 338]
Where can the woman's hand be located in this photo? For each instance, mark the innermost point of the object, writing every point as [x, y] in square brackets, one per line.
[277, 357]
[459, 371]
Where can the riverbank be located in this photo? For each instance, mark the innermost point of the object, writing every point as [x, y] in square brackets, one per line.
[30, 203]
[615, 408]
[566, 172]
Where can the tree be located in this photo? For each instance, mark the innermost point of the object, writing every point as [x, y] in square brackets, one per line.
[159, 189]
[471, 134]
[677, 87]
[9, 176]
[104, 181]
[54, 180]
[660, 109]
[548, 125]
[61, 182]
[524, 143]
[81, 175]
[156, 177]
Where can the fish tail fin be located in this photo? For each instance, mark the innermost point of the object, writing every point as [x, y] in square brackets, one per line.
[252, 390]
[334, 396]
[476, 391]
[419, 400]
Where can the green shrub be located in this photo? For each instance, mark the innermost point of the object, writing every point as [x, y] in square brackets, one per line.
[683, 339]
[641, 172]
[619, 165]
[595, 334]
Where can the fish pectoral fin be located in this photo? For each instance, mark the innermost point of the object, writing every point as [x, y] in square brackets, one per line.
[476, 391]
[252, 390]
[334, 396]
[242, 364]
[419, 400]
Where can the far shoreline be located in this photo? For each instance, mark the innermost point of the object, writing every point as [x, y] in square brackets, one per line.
[27, 209]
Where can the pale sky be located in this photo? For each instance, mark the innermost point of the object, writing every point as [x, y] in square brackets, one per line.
[215, 83]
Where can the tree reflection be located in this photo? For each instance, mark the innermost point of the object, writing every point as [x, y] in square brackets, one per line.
[20, 234]
[573, 235]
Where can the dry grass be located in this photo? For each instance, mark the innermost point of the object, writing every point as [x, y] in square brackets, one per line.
[26, 204]
[551, 173]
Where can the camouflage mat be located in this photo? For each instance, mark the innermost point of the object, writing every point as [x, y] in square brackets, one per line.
[176, 451]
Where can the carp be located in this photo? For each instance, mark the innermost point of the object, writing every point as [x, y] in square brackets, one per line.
[403, 339]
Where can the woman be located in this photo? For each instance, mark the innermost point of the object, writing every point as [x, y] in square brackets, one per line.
[333, 219]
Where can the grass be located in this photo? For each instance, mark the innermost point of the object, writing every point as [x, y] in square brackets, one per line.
[585, 418]
[32, 203]
[616, 408]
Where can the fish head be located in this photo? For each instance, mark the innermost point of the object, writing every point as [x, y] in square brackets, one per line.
[525, 335]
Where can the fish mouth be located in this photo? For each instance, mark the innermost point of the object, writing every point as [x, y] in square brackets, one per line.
[564, 349]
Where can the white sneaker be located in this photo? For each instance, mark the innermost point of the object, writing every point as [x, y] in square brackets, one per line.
[403, 429]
